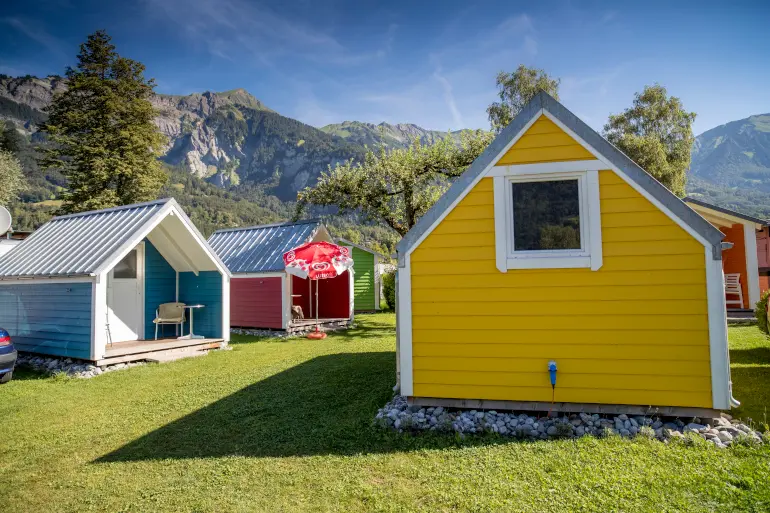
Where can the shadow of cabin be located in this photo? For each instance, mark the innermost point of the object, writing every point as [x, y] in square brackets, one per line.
[322, 406]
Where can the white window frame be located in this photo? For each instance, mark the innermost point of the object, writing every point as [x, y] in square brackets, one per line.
[590, 253]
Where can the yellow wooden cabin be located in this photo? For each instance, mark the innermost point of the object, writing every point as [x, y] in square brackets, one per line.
[555, 247]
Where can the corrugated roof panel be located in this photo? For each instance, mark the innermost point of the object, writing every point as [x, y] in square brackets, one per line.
[260, 248]
[77, 244]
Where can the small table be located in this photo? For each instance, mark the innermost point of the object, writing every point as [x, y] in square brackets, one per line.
[192, 335]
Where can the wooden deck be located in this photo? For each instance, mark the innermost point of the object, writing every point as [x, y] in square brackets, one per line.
[136, 350]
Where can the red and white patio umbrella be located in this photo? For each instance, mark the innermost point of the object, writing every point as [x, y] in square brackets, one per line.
[317, 261]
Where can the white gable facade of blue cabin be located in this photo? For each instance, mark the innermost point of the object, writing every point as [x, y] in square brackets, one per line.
[86, 281]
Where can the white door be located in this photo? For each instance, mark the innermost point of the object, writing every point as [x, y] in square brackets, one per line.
[125, 301]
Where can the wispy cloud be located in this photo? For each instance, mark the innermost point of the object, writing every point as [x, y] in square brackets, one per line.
[599, 82]
[12, 71]
[608, 16]
[455, 78]
[449, 98]
[231, 29]
[36, 32]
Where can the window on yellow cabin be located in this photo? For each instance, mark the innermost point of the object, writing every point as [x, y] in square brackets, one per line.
[547, 220]
[546, 215]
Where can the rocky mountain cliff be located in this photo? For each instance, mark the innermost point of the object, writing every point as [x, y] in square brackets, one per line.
[731, 165]
[735, 154]
[225, 138]
[231, 137]
[393, 136]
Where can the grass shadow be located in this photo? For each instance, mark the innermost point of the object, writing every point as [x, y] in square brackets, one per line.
[323, 406]
[750, 387]
[24, 373]
[753, 356]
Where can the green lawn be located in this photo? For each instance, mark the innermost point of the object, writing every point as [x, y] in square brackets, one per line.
[286, 426]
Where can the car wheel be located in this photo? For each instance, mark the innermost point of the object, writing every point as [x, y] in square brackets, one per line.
[6, 377]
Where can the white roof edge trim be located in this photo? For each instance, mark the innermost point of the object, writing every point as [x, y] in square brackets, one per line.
[201, 239]
[664, 199]
[465, 182]
[634, 184]
[346, 242]
[139, 235]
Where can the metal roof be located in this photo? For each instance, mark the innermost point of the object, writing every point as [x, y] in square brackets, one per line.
[345, 242]
[696, 201]
[260, 249]
[540, 103]
[77, 244]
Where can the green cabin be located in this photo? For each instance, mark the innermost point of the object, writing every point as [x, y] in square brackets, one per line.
[366, 276]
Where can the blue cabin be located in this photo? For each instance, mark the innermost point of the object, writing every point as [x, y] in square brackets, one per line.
[88, 285]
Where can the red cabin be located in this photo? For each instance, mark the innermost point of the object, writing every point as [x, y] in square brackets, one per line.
[263, 295]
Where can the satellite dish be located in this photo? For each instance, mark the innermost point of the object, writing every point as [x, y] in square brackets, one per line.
[5, 220]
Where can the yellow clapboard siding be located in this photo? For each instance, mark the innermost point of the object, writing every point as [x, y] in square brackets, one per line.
[570, 295]
[599, 366]
[564, 322]
[608, 177]
[457, 240]
[644, 234]
[478, 199]
[633, 332]
[471, 212]
[564, 278]
[546, 308]
[544, 140]
[653, 262]
[448, 336]
[565, 380]
[666, 247]
[613, 206]
[458, 253]
[628, 263]
[543, 125]
[559, 351]
[544, 154]
[467, 226]
[587, 395]
[485, 185]
[617, 190]
[631, 220]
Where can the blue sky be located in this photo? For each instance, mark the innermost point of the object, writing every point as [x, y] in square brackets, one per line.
[428, 63]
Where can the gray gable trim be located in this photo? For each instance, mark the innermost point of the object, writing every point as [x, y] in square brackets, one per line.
[727, 211]
[345, 242]
[609, 152]
[87, 243]
[634, 172]
[469, 176]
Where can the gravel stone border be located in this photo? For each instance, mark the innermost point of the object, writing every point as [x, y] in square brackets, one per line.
[285, 334]
[397, 415]
[261, 333]
[69, 366]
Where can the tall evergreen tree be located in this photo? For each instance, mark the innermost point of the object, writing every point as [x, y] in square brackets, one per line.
[104, 139]
[11, 176]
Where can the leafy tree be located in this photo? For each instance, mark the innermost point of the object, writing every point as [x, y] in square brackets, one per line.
[101, 127]
[395, 187]
[11, 178]
[515, 90]
[656, 133]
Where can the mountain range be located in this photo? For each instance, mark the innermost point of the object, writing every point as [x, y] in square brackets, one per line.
[232, 139]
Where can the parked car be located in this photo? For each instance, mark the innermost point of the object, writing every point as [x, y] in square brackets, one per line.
[7, 357]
